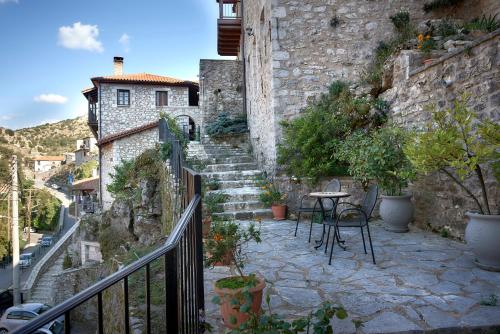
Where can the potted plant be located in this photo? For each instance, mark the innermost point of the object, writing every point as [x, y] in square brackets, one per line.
[379, 156]
[241, 295]
[462, 146]
[212, 204]
[320, 321]
[272, 197]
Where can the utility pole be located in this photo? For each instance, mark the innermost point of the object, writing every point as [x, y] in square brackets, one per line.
[15, 234]
[28, 215]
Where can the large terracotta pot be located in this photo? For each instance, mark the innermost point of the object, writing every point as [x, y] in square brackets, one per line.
[228, 310]
[397, 212]
[279, 211]
[483, 235]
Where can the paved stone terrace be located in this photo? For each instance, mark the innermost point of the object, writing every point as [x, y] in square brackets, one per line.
[421, 282]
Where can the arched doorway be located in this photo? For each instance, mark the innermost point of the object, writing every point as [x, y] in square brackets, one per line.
[187, 125]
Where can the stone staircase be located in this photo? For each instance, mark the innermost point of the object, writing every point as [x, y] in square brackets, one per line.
[43, 291]
[236, 171]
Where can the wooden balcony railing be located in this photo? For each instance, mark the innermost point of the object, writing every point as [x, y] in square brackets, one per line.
[229, 27]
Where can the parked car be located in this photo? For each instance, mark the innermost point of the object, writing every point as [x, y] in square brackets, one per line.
[25, 260]
[54, 186]
[6, 300]
[46, 241]
[16, 316]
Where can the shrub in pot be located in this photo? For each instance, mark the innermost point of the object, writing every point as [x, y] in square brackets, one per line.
[238, 296]
[379, 156]
[272, 197]
[460, 145]
[212, 204]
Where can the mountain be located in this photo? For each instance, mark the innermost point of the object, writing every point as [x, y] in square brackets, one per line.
[47, 139]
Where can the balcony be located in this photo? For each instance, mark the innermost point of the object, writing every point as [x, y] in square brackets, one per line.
[228, 28]
[92, 122]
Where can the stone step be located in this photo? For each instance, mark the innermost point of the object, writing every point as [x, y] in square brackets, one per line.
[242, 206]
[233, 159]
[234, 175]
[240, 194]
[246, 215]
[230, 167]
[237, 184]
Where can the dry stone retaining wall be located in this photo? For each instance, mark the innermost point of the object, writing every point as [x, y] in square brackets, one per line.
[221, 89]
[439, 202]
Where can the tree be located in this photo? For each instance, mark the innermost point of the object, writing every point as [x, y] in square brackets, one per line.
[457, 143]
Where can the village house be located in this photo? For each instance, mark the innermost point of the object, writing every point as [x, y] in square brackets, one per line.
[85, 193]
[46, 163]
[123, 115]
[86, 149]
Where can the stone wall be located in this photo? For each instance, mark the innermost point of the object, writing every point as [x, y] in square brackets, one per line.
[259, 80]
[142, 109]
[221, 89]
[439, 202]
[298, 48]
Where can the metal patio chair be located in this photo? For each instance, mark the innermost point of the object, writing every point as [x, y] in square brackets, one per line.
[332, 186]
[360, 219]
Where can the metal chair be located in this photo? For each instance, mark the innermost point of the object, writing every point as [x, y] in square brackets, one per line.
[332, 186]
[362, 215]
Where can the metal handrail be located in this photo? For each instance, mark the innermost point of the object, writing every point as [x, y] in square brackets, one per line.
[94, 290]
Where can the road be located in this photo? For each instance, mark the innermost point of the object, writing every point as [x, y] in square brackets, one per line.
[37, 250]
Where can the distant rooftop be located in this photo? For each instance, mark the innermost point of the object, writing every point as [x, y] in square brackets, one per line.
[49, 158]
[145, 78]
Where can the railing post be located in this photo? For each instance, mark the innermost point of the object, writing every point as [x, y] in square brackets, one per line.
[199, 247]
[171, 292]
[221, 9]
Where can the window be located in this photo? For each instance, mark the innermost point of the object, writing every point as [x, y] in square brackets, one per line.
[123, 97]
[15, 315]
[161, 99]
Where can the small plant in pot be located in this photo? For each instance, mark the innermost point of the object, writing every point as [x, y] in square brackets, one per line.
[212, 204]
[466, 149]
[379, 156]
[238, 296]
[272, 197]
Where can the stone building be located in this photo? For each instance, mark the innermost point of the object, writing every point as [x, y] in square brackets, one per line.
[124, 110]
[291, 51]
[47, 163]
[86, 149]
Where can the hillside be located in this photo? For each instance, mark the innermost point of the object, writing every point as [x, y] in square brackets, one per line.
[47, 139]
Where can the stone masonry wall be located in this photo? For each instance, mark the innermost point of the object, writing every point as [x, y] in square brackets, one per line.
[439, 202]
[299, 48]
[259, 78]
[142, 109]
[120, 150]
[221, 89]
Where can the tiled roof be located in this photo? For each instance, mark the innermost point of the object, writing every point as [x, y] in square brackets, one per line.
[49, 158]
[143, 78]
[126, 133]
[91, 183]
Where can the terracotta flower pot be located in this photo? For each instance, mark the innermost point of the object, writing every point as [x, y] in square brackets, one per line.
[230, 311]
[279, 211]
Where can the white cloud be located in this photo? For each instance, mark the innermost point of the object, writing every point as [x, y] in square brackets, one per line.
[51, 98]
[80, 36]
[6, 117]
[7, 1]
[125, 42]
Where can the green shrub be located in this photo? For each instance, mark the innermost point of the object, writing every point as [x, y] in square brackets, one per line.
[270, 194]
[213, 202]
[84, 171]
[446, 28]
[46, 215]
[176, 131]
[311, 142]
[440, 4]
[379, 156]
[485, 23]
[225, 125]
[165, 151]
[9, 132]
[67, 262]
[456, 142]
[401, 21]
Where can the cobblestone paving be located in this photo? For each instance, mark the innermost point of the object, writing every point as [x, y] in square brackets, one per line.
[421, 281]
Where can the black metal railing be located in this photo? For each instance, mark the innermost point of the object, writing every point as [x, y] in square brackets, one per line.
[177, 153]
[183, 277]
[92, 115]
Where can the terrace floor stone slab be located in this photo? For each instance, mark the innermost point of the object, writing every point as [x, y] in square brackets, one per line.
[421, 281]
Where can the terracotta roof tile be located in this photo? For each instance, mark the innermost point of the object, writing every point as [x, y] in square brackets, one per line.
[49, 158]
[91, 183]
[126, 133]
[143, 78]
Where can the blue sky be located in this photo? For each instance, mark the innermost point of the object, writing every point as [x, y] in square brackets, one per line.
[50, 48]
